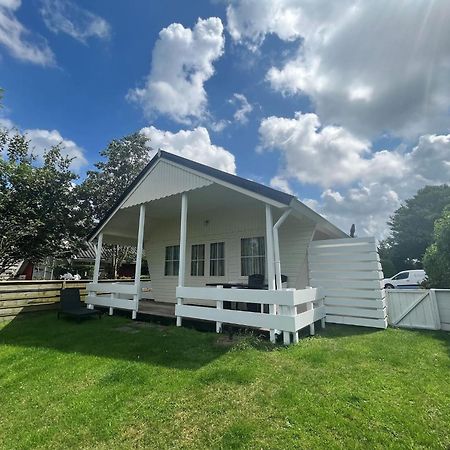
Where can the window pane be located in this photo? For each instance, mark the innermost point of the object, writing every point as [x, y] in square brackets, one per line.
[221, 250]
[201, 268]
[213, 251]
[253, 252]
[213, 267]
[261, 246]
[245, 247]
[221, 268]
[198, 260]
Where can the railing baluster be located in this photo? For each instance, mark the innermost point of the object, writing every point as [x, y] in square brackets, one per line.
[179, 302]
[310, 307]
[219, 306]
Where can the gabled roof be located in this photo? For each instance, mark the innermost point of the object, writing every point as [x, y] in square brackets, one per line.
[260, 190]
[240, 182]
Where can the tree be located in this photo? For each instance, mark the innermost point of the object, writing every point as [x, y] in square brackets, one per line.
[437, 256]
[386, 263]
[40, 215]
[412, 226]
[123, 160]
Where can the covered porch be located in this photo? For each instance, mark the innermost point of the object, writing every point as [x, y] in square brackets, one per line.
[202, 217]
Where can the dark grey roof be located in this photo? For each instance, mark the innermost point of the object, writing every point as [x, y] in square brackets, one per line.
[243, 183]
[251, 186]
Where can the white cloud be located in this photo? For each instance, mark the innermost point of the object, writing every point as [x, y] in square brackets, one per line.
[6, 123]
[18, 40]
[64, 16]
[367, 206]
[371, 184]
[244, 108]
[41, 140]
[281, 183]
[182, 61]
[249, 21]
[192, 144]
[370, 66]
[326, 156]
[219, 125]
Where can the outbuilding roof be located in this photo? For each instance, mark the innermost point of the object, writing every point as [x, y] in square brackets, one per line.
[242, 183]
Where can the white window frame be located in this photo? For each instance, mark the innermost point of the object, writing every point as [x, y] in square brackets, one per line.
[253, 256]
[196, 263]
[172, 262]
[216, 259]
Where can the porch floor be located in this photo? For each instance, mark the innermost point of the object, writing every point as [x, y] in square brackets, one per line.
[153, 308]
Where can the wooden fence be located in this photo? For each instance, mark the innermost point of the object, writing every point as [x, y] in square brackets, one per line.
[419, 308]
[349, 273]
[18, 297]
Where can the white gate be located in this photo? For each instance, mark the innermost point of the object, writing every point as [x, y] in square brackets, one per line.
[419, 308]
[349, 272]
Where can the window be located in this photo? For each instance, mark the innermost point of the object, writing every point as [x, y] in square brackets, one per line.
[172, 261]
[198, 260]
[217, 259]
[253, 256]
[401, 276]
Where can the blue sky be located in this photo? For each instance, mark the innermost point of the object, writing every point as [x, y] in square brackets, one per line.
[346, 105]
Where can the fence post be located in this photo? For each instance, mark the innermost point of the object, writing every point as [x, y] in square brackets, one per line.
[179, 303]
[286, 310]
[310, 307]
[435, 309]
[219, 306]
[322, 321]
[295, 334]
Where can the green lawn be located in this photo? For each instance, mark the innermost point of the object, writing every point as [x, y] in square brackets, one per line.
[113, 384]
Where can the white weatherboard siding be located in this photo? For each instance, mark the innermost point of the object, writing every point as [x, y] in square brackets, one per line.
[227, 226]
[162, 181]
[349, 271]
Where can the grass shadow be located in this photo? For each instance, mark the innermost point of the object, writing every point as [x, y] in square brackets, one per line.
[115, 337]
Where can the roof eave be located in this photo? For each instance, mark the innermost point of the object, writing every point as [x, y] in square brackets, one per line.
[321, 222]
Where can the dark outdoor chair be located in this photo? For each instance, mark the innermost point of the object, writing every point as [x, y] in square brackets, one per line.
[256, 281]
[72, 306]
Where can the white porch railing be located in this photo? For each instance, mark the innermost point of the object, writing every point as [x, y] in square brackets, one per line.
[283, 315]
[121, 295]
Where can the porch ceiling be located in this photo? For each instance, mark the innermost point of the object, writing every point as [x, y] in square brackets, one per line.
[123, 226]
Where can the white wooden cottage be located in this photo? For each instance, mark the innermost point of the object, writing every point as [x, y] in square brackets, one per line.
[203, 230]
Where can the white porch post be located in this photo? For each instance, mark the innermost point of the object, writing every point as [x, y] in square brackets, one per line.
[270, 262]
[276, 245]
[182, 264]
[98, 255]
[137, 273]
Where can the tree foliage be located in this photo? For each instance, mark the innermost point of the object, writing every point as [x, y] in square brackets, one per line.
[123, 160]
[437, 256]
[40, 214]
[411, 227]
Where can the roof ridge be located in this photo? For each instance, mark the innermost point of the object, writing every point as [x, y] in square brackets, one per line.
[244, 183]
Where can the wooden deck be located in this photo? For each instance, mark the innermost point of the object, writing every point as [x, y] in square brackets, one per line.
[153, 308]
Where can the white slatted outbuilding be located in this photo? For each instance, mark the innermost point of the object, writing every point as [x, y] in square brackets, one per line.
[197, 225]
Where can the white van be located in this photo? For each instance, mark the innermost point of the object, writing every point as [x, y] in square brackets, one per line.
[405, 279]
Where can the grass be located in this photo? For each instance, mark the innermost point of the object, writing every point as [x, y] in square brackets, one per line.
[113, 384]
